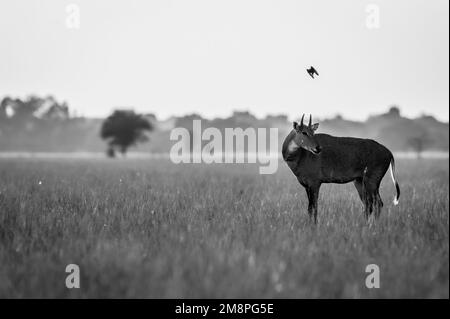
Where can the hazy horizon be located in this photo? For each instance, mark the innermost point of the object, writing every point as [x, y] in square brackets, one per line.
[173, 58]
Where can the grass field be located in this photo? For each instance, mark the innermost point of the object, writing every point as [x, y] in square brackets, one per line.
[153, 229]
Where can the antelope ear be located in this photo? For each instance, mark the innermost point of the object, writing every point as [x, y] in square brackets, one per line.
[295, 125]
[315, 126]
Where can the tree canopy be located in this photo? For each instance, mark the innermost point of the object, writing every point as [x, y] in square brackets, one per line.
[33, 107]
[123, 129]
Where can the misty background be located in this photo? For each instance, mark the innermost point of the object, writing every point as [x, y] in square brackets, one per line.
[39, 124]
[230, 63]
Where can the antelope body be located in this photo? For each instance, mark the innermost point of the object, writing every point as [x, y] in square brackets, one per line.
[321, 158]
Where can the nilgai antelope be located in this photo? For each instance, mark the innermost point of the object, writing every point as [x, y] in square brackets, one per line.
[321, 158]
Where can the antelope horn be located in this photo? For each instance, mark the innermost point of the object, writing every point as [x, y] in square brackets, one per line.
[301, 123]
[310, 120]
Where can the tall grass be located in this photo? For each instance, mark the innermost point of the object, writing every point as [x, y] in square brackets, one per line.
[153, 229]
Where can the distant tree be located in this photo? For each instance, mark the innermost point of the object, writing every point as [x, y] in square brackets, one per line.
[110, 152]
[123, 129]
[419, 143]
[24, 110]
[4, 105]
[394, 111]
[55, 110]
[33, 107]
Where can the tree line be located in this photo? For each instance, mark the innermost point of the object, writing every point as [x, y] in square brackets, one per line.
[45, 124]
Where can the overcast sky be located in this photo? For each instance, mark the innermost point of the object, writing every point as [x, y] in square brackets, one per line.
[212, 57]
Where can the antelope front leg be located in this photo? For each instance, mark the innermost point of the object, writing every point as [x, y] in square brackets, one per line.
[310, 202]
[315, 200]
[313, 196]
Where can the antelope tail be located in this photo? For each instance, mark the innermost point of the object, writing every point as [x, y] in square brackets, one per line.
[392, 166]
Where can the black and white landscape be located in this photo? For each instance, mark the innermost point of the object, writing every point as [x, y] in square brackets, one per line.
[144, 149]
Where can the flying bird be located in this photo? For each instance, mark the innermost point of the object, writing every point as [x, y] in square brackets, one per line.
[311, 71]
